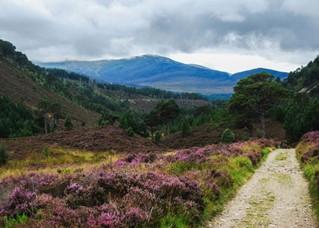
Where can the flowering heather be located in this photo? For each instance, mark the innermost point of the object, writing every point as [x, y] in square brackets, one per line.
[135, 159]
[308, 149]
[32, 180]
[196, 155]
[74, 187]
[312, 137]
[113, 197]
[21, 201]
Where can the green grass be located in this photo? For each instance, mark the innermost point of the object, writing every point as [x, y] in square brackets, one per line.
[174, 221]
[11, 222]
[178, 168]
[56, 159]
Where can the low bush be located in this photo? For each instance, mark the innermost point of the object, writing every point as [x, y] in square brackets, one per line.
[228, 136]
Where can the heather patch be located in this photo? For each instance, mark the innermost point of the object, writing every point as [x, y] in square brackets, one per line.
[182, 188]
[308, 154]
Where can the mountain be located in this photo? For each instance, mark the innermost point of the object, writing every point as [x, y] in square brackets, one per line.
[159, 72]
[150, 70]
[244, 74]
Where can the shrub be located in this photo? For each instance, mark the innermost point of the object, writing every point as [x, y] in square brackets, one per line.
[265, 152]
[21, 201]
[157, 137]
[186, 128]
[68, 124]
[45, 151]
[130, 132]
[228, 136]
[3, 155]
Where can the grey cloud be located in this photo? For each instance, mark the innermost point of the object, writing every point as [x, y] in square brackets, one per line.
[123, 27]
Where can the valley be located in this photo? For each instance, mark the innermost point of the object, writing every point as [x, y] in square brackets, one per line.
[77, 151]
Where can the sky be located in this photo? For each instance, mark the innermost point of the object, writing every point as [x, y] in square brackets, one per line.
[228, 35]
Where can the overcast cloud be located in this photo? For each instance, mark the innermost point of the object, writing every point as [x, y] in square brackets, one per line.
[224, 34]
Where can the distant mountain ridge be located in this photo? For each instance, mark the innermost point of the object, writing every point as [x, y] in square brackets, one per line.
[244, 74]
[160, 72]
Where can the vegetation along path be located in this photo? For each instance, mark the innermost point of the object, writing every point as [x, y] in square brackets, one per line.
[276, 196]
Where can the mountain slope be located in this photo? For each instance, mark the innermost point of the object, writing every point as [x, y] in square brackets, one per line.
[159, 72]
[305, 79]
[244, 74]
[17, 84]
[155, 71]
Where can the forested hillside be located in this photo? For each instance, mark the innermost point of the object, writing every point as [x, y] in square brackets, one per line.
[55, 96]
[305, 79]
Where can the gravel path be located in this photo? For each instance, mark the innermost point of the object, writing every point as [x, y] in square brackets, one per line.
[276, 196]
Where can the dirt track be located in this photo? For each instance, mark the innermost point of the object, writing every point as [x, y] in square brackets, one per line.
[276, 196]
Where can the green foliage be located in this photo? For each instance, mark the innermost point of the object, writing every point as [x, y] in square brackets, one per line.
[130, 131]
[164, 112]
[157, 137]
[11, 222]
[186, 128]
[68, 125]
[3, 155]
[8, 52]
[45, 152]
[47, 106]
[228, 136]
[265, 152]
[176, 221]
[180, 167]
[301, 116]
[254, 97]
[240, 168]
[16, 120]
[133, 121]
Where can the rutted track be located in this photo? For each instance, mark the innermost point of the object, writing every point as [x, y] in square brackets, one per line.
[276, 196]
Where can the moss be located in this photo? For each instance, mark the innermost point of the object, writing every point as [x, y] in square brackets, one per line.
[281, 156]
[257, 212]
[283, 178]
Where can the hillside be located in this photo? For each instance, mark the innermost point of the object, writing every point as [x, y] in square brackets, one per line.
[305, 79]
[17, 84]
[80, 98]
[160, 72]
